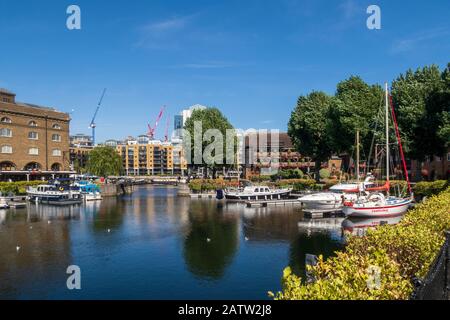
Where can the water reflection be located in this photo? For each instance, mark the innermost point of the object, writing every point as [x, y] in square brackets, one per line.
[359, 226]
[212, 240]
[155, 245]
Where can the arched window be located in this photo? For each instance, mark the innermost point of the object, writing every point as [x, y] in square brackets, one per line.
[32, 166]
[5, 120]
[5, 132]
[56, 126]
[6, 149]
[32, 124]
[56, 153]
[56, 137]
[33, 151]
[33, 135]
[7, 166]
[56, 167]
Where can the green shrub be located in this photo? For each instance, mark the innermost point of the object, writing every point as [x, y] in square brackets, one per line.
[18, 187]
[399, 251]
[324, 173]
[427, 189]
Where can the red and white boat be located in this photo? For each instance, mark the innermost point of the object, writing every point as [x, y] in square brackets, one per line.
[377, 204]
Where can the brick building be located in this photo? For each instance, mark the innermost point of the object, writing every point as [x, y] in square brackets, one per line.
[151, 157]
[33, 139]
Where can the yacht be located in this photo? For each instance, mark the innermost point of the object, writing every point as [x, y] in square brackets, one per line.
[378, 204]
[54, 194]
[257, 193]
[335, 198]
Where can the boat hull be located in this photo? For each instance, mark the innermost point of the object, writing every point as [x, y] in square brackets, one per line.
[262, 196]
[384, 211]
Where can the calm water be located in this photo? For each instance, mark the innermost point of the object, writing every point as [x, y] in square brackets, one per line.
[157, 248]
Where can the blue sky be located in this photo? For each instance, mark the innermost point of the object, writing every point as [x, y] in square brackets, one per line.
[250, 58]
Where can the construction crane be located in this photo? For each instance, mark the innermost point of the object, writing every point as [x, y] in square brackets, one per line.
[151, 131]
[93, 125]
[166, 134]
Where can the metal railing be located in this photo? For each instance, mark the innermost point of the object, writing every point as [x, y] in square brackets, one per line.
[436, 284]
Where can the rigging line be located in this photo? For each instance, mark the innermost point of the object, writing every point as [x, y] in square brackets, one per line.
[372, 145]
[399, 139]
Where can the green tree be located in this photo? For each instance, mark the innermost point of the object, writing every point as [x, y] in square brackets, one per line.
[210, 119]
[357, 106]
[421, 102]
[104, 161]
[309, 127]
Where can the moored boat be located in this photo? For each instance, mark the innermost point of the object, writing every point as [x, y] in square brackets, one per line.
[3, 203]
[90, 191]
[54, 194]
[257, 193]
[377, 204]
[336, 197]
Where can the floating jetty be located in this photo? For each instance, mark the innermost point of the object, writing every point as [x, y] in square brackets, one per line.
[272, 203]
[202, 195]
[322, 213]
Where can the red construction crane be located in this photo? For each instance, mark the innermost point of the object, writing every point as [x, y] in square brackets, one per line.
[151, 131]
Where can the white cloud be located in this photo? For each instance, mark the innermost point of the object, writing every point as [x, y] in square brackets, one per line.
[408, 44]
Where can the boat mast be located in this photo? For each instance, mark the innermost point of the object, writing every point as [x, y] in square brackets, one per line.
[357, 155]
[387, 135]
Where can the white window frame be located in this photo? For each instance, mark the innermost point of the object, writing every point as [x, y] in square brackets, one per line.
[6, 135]
[37, 135]
[6, 120]
[2, 150]
[56, 153]
[56, 126]
[56, 135]
[33, 154]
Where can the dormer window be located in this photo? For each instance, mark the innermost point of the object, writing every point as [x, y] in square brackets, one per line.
[56, 126]
[32, 124]
[5, 120]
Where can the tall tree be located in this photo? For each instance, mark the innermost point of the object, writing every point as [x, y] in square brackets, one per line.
[309, 127]
[104, 162]
[420, 100]
[210, 119]
[356, 107]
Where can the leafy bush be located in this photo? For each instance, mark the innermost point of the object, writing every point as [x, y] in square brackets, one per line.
[18, 187]
[259, 179]
[324, 173]
[288, 174]
[399, 251]
[208, 185]
[427, 189]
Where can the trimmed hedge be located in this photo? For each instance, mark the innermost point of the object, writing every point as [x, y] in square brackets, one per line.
[399, 252]
[208, 185]
[19, 187]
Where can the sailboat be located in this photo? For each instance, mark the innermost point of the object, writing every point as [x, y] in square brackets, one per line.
[376, 204]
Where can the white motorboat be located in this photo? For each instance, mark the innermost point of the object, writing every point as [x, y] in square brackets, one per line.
[4, 204]
[257, 193]
[90, 191]
[377, 204]
[53, 194]
[336, 197]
